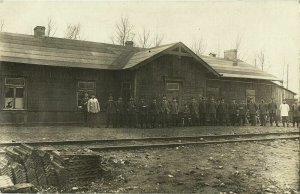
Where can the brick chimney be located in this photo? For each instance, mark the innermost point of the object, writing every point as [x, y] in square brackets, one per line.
[129, 43]
[39, 31]
[231, 55]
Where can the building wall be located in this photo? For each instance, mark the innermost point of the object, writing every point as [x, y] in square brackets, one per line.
[152, 79]
[51, 92]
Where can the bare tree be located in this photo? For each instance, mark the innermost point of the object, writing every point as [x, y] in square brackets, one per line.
[51, 28]
[123, 32]
[262, 60]
[144, 39]
[157, 40]
[1, 25]
[199, 46]
[73, 32]
[238, 44]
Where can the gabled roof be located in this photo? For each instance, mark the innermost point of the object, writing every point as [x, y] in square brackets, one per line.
[226, 68]
[52, 51]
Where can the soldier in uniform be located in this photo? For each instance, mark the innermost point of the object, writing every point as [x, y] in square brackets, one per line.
[242, 107]
[272, 108]
[202, 111]
[165, 110]
[194, 111]
[252, 112]
[84, 103]
[154, 111]
[263, 108]
[212, 110]
[131, 110]
[111, 112]
[143, 113]
[232, 111]
[185, 115]
[174, 110]
[295, 111]
[120, 112]
[222, 111]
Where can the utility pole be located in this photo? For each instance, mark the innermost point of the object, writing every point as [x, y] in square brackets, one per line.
[287, 76]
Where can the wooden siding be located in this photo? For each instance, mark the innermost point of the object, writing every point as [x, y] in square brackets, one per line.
[152, 78]
[51, 92]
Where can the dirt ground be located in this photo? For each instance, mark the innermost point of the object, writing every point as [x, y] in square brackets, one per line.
[252, 167]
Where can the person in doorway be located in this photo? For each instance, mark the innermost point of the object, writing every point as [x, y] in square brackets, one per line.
[284, 113]
[93, 108]
[272, 108]
[84, 102]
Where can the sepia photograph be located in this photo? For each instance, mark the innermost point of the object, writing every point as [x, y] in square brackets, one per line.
[137, 96]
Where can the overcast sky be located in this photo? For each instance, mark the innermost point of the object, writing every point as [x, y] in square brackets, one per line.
[268, 26]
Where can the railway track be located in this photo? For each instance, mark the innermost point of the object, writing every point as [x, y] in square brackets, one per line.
[152, 142]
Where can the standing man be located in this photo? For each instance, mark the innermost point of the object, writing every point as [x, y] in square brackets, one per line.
[131, 110]
[194, 112]
[212, 111]
[174, 110]
[111, 112]
[222, 111]
[242, 113]
[84, 102]
[295, 114]
[93, 108]
[120, 112]
[165, 110]
[284, 112]
[143, 113]
[272, 107]
[263, 108]
[232, 111]
[202, 111]
[154, 110]
[252, 108]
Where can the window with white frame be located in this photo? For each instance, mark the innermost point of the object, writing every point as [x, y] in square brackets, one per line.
[82, 88]
[14, 93]
[173, 86]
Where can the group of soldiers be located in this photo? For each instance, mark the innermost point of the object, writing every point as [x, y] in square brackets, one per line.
[171, 113]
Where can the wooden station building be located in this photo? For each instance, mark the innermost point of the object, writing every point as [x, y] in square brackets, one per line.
[42, 79]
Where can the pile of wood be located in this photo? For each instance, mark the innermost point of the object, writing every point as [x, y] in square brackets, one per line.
[76, 167]
[24, 164]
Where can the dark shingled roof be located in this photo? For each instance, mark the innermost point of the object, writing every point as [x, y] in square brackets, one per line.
[52, 51]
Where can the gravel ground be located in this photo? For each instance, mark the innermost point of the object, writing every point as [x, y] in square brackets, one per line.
[256, 167]
[43, 133]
